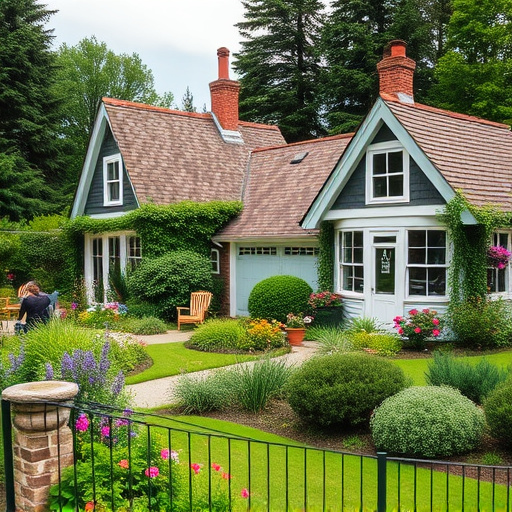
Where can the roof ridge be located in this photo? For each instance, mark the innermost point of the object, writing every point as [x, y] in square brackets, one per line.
[448, 113]
[249, 124]
[309, 141]
[143, 106]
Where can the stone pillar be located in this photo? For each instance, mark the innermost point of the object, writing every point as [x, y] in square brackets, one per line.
[42, 439]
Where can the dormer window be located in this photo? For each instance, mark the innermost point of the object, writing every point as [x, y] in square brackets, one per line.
[112, 180]
[387, 173]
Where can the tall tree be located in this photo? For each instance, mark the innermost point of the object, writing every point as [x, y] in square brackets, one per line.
[29, 112]
[187, 102]
[278, 65]
[475, 75]
[89, 71]
[353, 41]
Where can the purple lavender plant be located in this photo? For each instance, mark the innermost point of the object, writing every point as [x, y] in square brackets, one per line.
[49, 372]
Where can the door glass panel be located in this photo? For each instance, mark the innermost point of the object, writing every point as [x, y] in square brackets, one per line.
[385, 270]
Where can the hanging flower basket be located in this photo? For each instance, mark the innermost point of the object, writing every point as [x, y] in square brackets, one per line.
[498, 256]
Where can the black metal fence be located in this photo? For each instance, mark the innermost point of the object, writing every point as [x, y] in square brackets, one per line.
[140, 462]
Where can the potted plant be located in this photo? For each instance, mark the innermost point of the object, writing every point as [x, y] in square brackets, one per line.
[498, 257]
[295, 327]
[327, 308]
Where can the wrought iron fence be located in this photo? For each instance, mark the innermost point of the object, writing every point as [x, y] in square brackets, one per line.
[125, 460]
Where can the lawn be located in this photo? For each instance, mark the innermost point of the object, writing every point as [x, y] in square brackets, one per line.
[173, 359]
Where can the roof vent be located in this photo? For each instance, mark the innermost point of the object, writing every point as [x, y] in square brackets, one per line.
[297, 159]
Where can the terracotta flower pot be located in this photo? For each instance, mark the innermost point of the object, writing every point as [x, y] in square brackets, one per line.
[295, 335]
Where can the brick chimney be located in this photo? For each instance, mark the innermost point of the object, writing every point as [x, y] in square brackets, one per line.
[396, 72]
[224, 94]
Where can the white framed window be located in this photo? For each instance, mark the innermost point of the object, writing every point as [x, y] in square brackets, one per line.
[133, 251]
[426, 262]
[387, 173]
[112, 180]
[497, 278]
[215, 260]
[351, 261]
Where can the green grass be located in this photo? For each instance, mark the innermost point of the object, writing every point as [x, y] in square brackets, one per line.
[173, 358]
[276, 472]
[416, 368]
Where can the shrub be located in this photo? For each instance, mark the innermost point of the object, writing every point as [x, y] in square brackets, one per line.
[498, 411]
[219, 334]
[364, 323]
[481, 322]
[330, 338]
[99, 318]
[141, 309]
[275, 297]
[201, 394]
[427, 421]
[383, 344]
[167, 281]
[263, 334]
[126, 352]
[418, 326]
[342, 389]
[473, 381]
[146, 326]
[253, 385]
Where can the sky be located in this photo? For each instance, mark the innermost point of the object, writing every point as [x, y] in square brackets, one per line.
[176, 39]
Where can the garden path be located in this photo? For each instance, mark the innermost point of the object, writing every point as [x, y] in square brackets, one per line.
[159, 392]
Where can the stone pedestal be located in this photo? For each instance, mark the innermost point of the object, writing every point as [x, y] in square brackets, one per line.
[42, 440]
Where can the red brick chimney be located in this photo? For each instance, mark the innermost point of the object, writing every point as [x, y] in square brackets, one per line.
[224, 94]
[396, 72]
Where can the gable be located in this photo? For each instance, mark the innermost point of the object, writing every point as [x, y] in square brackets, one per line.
[353, 195]
[380, 125]
[94, 204]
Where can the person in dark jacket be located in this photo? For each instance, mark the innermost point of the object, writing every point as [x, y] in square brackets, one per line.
[35, 305]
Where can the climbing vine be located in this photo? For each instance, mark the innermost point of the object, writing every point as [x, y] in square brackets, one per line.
[467, 275]
[325, 262]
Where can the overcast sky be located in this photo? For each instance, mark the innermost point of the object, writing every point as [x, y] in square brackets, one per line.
[176, 39]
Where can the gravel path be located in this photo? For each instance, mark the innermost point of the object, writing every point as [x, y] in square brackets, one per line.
[159, 392]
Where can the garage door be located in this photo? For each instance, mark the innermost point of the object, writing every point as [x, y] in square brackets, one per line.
[255, 263]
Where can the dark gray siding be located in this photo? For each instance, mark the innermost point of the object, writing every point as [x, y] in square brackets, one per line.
[94, 204]
[422, 192]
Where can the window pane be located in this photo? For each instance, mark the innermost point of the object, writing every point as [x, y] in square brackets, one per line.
[380, 187]
[501, 280]
[436, 238]
[436, 256]
[385, 270]
[113, 171]
[417, 238]
[358, 255]
[417, 281]
[347, 255]
[347, 239]
[114, 191]
[358, 239]
[395, 162]
[396, 185]
[436, 281]
[417, 256]
[379, 163]
[347, 278]
[491, 280]
[503, 239]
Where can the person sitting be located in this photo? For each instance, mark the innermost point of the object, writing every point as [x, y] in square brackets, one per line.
[35, 306]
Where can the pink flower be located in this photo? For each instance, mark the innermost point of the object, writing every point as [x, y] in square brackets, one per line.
[74, 305]
[105, 431]
[216, 467]
[196, 468]
[400, 331]
[123, 464]
[426, 311]
[152, 472]
[164, 454]
[435, 321]
[417, 330]
[413, 312]
[436, 332]
[244, 493]
[226, 476]
[82, 423]
[89, 505]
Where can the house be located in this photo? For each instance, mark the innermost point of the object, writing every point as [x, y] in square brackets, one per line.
[381, 188]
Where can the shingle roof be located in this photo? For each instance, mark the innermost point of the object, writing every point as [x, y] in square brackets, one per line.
[277, 192]
[473, 155]
[173, 156]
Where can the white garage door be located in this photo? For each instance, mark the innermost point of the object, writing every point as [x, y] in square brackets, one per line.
[255, 263]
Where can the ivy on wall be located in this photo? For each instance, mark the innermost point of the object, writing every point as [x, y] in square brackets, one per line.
[325, 262]
[467, 275]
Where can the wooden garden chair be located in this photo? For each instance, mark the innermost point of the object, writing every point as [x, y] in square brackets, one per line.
[199, 304]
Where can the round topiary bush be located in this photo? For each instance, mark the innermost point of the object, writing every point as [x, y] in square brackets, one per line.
[427, 421]
[277, 296]
[498, 411]
[342, 389]
[168, 281]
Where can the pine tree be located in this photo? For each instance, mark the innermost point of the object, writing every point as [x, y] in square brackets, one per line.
[29, 111]
[278, 65]
[187, 102]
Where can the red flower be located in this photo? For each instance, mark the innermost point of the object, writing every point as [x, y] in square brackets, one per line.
[244, 493]
[123, 464]
[413, 312]
[417, 330]
[89, 505]
[226, 476]
[216, 467]
[436, 332]
[435, 321]
[196, 468]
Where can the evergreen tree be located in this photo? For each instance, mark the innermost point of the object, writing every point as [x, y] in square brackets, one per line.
[475, 75]
[278, 65]
[29, 112]
[187, 102]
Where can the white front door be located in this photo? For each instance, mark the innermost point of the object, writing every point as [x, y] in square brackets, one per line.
[384, 283]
